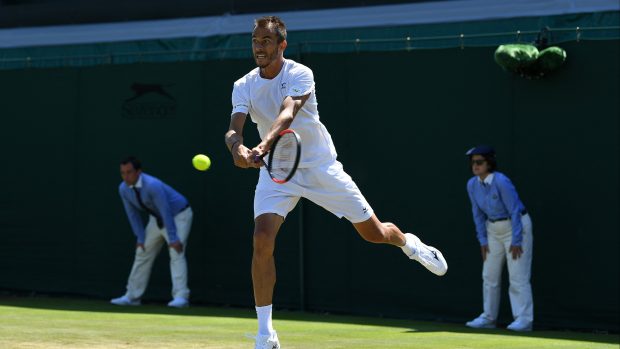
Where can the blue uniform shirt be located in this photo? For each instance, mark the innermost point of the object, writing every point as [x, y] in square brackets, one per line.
[159, 198]
[495, 200]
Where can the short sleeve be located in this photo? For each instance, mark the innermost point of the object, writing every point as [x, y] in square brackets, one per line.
[301, 83]
[240, 97]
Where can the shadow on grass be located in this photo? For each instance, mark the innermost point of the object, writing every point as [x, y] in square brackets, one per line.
[77, 303]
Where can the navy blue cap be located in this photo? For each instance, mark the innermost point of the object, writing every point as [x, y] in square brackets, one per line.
[480, 150]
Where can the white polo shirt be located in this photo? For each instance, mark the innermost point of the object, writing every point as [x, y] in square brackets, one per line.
[262, 98]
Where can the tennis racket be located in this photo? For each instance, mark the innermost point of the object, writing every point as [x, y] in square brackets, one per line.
[283, 156]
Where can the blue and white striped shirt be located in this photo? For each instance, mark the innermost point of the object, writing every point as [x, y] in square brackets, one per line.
[159, 198]
[495, 198]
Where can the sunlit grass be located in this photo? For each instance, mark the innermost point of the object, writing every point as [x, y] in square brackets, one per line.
[37, 323]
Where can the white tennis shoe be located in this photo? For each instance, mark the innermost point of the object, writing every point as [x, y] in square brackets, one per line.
[430, 257]
[520, 326]
[480, 322]
[178, 302]
[124, 300]
[267, 341]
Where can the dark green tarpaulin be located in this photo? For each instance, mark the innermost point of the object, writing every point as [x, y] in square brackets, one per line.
[565, 28]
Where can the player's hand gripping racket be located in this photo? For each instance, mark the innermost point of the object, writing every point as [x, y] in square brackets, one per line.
[283, 156]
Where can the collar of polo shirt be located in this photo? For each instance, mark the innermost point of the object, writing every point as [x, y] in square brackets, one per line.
[488, 180]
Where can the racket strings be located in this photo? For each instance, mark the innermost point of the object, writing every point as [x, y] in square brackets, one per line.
[283, 156]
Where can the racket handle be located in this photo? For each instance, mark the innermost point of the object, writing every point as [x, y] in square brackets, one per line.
[259, 158]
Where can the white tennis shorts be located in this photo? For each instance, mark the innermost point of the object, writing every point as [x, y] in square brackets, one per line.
[327, 186]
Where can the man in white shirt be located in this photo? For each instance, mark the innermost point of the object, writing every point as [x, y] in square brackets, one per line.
[279, 94]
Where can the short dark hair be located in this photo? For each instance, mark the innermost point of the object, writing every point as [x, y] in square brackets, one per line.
[275, 22]
[134, 161]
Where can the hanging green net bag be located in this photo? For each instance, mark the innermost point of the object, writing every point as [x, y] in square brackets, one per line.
[526, 61]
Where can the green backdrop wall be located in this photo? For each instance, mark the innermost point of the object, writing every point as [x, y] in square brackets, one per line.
[401, 121]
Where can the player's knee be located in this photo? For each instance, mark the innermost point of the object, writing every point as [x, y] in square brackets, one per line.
[264, 242]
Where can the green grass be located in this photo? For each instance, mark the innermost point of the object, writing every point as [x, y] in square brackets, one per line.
[50, 323]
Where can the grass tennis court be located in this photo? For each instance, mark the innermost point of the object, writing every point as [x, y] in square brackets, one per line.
[38, 323]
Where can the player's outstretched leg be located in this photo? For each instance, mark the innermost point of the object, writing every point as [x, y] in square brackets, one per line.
[375, 231]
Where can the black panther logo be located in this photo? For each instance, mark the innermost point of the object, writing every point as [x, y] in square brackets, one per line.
[139, 106]
[143, 89]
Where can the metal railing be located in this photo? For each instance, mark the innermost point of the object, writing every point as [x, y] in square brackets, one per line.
[406, 43]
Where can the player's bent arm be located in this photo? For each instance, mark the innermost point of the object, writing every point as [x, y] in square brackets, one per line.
[288, 110]
[242, 156]
[234, 136]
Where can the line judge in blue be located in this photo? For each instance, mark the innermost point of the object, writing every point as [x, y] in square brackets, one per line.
[170, 220]
[504, 230]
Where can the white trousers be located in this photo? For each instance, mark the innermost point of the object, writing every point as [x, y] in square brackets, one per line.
[519, 271]
[155, 238]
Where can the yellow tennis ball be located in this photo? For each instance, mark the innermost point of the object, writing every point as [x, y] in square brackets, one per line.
[201, 162]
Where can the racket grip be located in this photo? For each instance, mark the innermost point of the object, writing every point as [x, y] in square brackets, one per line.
[259, 159]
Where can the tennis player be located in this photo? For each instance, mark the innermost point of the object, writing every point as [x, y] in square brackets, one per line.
[279, 94]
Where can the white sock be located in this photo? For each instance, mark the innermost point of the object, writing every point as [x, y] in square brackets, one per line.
[265, 326]
[408, 248]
